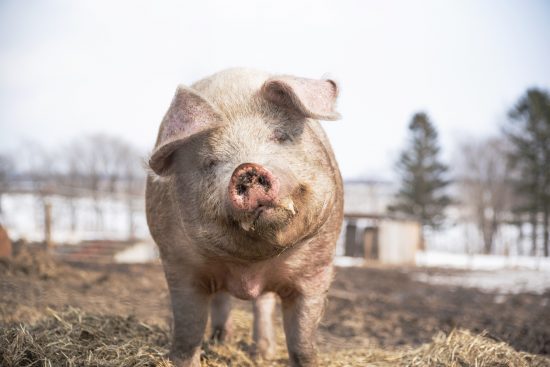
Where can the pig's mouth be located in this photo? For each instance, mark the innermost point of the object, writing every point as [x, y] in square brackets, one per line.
[268, 217]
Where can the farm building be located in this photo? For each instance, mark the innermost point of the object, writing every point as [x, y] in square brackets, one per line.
[369, 232]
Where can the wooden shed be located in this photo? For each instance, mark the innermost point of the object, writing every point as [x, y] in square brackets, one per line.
[381, 238]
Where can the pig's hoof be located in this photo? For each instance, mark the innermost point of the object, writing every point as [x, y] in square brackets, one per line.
[179, 360]
[302, 359]
[264, 350]
[220, 334]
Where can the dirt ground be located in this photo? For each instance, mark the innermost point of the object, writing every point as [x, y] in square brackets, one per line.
[370, 306]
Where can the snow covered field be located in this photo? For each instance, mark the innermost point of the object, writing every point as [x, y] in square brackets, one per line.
[502, 281]
[481, 262]
[500, 274]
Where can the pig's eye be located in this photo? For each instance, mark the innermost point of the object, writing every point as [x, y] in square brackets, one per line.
[210, 164]
[280, 136]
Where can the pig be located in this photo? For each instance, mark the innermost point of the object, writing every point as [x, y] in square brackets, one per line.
[245, 199]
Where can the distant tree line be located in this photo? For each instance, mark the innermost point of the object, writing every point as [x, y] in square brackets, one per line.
[503, 179]
[98, 167]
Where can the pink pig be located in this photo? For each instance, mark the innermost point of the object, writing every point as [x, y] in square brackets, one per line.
[246, 201]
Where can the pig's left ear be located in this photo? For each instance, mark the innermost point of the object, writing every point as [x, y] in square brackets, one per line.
[188, 115]
[309, 97]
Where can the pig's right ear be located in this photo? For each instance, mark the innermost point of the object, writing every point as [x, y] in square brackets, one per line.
[188, 115]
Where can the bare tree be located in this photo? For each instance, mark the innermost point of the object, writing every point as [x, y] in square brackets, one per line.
[99, 167]
[41, 168]
[133, 186]
[484, 181]
[107, 167]
[6, 170]
[125, 177]
[71, 180]
[88, 169]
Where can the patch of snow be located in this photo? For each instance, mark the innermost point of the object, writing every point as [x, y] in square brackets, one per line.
[491, 273]
[141, 252]
[348, 261]
[504, 281]
[480, 262]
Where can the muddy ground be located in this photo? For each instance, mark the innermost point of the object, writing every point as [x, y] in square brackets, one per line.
[369, 306]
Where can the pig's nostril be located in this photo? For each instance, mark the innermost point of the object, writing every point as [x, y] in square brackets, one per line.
[264, 182]
[250, 179]
[241, 189]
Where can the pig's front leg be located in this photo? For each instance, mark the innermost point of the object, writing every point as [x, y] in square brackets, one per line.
[190, 310]
[301, 315]
[263, 333]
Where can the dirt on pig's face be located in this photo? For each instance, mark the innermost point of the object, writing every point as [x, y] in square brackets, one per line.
[225, 181]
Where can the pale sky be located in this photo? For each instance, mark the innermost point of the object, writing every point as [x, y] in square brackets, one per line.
[73, 67]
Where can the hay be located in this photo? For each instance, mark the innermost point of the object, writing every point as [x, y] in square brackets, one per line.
[76, 338]
[27, 261]
[461, 348]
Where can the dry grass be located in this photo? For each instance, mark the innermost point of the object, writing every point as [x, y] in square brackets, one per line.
[461, 348]
[75, 338]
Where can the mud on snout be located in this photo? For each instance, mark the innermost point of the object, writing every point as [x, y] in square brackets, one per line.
[263, 200]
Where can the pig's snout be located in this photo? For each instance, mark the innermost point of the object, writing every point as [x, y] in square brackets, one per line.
[252, 186]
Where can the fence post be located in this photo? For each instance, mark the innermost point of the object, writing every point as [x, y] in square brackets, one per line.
[48, 225]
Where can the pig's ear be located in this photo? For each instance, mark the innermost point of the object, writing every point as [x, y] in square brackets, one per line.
[188, 115]
[309, 97]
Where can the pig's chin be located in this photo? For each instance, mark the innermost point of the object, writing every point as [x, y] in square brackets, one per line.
[267, 222]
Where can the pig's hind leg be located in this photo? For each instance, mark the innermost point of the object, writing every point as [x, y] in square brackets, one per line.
[220, 308]
[263, 333]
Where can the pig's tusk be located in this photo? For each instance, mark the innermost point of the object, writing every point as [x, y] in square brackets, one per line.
[247, 226]
[289, 205]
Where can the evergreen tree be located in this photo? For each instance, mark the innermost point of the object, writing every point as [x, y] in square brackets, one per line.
[529, 134]
[422, 193]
